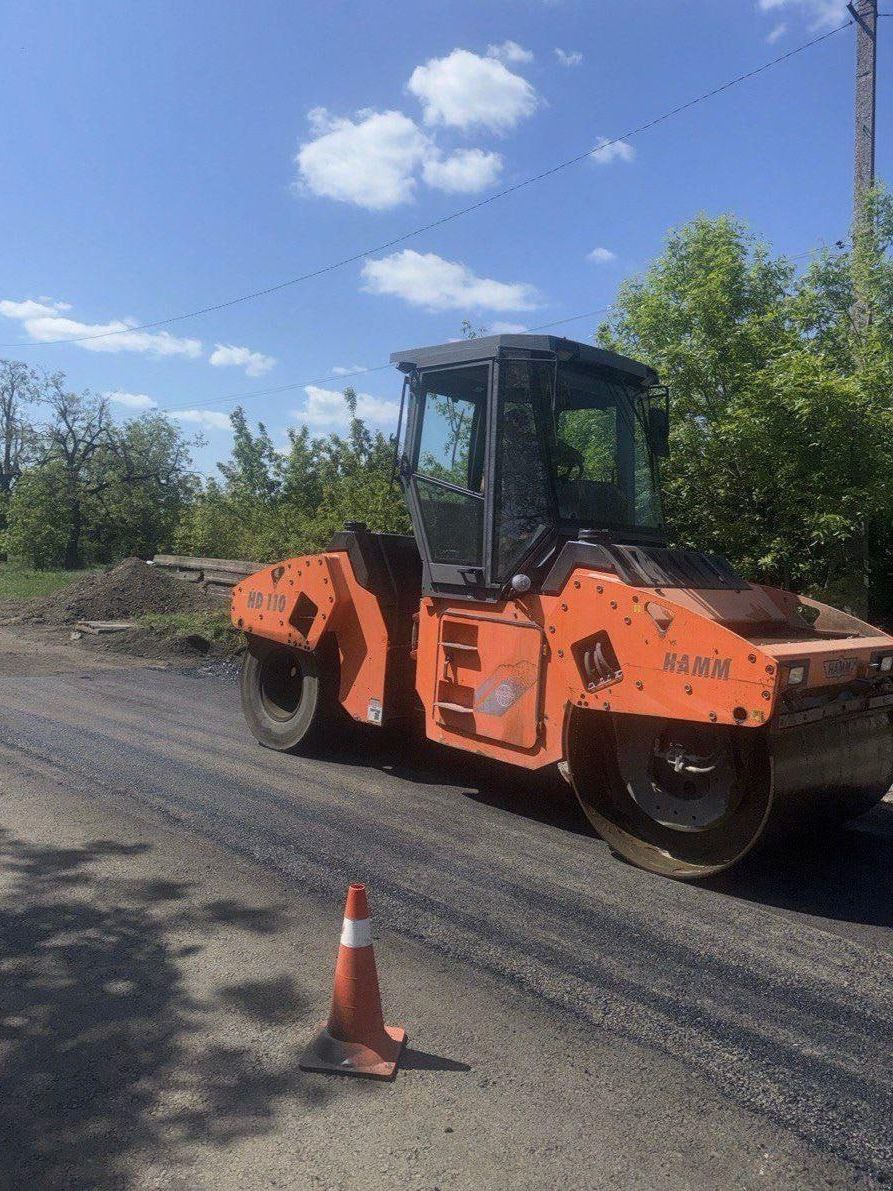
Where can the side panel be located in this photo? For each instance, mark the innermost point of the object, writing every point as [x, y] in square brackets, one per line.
[299, 600]
[482, 674]
[601, 644]
[487, 680]
[671, 660]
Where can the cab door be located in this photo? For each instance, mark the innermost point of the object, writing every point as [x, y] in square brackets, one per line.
[447, 483]
[482, 504]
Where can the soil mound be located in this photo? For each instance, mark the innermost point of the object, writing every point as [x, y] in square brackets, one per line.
[132, 588]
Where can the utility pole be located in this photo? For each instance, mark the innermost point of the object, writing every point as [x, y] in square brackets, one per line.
[865, 16]
[864, 13]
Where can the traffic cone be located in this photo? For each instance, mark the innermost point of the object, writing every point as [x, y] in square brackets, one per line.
[355, 1040]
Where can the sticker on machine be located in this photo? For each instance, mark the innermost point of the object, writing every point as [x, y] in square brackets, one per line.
[373, 713]
[840, 667]
[504, 687]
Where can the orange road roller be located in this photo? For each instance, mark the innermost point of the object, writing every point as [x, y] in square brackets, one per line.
[537, 616]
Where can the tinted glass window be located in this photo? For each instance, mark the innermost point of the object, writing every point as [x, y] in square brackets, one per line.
[451, 456]
[454, 524]
[452, 443]
[604, 469]
[522, 485]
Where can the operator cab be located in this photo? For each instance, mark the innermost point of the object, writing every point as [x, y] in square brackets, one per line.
[514, 445]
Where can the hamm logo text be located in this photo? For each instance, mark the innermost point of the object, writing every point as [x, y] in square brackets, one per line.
[681, 663]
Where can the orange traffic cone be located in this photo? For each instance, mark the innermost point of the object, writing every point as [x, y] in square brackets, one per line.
[355, 1040]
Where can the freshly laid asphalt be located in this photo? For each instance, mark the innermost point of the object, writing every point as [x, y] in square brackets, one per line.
[170, 896]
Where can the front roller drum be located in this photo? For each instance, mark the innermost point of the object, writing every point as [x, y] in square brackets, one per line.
[289, 696]
[688, 800]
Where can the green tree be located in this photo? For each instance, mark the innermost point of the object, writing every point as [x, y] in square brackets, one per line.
[110, 489]
[271, 504]
[38, 530]
[141, 484]
[781, 407]
[74, 442]
[20, 388]
[254, 469]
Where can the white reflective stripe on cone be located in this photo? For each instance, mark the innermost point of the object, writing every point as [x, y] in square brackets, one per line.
[356, 933]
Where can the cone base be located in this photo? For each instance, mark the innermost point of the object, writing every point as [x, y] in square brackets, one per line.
[326, 1053]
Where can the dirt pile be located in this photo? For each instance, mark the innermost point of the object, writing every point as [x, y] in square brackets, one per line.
[133, 588]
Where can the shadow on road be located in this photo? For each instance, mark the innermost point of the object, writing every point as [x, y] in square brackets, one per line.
[421, 1060]
[541, 795]
[842, 874]
[96, 1023]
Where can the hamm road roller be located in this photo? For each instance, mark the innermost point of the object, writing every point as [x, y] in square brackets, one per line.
[536, 616]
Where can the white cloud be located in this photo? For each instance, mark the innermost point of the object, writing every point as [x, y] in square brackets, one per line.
[568, 57]
[608, 151]
[464, 90]
[210, 418]
[45, 308]
[327, 408]
[778, 32]
[464, 172]
[132, 400]
[601, 256]
[499, 328]
[425, 279]
[370, 161]
[509, 51]
[227, 355]
[822, 13]
[341, 370]
[45, 320]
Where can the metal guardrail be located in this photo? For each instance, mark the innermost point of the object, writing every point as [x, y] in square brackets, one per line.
[217, 574]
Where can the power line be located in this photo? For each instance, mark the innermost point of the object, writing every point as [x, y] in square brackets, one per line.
[504, 193]
[257, 393]
[329, 379]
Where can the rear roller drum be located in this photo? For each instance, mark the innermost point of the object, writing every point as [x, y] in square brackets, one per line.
[288, 696]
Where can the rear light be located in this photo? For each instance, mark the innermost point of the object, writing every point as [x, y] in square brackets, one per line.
[882, 663]
[796, 673]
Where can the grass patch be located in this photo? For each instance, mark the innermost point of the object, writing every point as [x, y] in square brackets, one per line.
[214, 625]
[18, 583]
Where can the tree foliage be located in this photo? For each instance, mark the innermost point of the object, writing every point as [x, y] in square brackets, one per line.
[85, 489]
[781, 401]
[269, 504]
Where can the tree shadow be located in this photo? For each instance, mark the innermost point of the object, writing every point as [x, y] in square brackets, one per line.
[276, 1001]
[99, 1034]
[262, 920]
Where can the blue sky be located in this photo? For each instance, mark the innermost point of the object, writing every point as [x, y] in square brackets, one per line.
[159, 157]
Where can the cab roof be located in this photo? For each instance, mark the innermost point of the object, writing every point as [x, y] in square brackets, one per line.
[487, 347]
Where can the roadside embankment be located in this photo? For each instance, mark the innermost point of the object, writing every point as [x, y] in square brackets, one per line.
[146, 611]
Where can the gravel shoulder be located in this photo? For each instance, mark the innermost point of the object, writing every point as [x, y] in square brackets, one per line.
[29, 650]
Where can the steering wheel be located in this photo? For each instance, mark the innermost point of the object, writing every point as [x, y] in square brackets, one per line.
[568, 460]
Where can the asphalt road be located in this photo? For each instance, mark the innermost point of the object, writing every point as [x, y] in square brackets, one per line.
[579, 1021]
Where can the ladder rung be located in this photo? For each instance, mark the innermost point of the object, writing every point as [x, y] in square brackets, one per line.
[455, 707]
[458, 645]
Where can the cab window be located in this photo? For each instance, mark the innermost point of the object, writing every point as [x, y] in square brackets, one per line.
[605, 471]
[449, 469]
